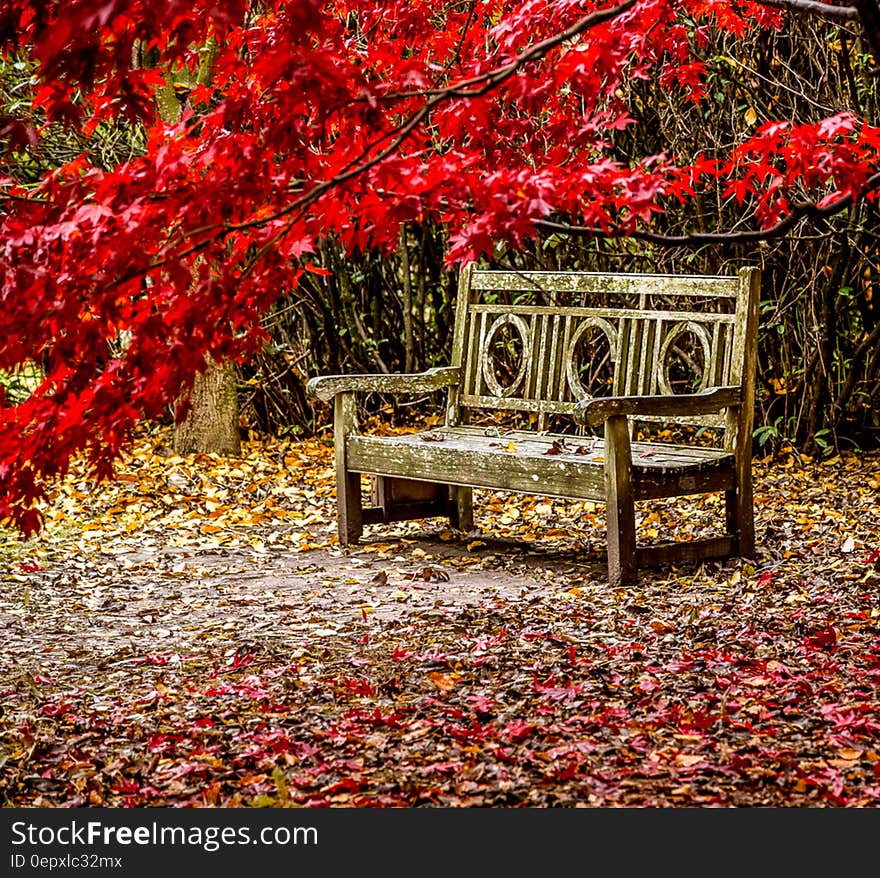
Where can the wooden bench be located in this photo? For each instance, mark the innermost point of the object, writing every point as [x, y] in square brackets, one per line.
[560, 352]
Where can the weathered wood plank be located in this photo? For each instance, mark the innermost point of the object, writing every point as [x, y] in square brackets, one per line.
[479, 347]
[651, 485]
[658, 457]
[608, 313]
[715, 372]
[564, 394]
[533, 365]
[485, 466]
[619, 384]
[694, 550]
[648, 356]
[461, 316]
[634, 331]
[594, 411]
[554, 366]
[595, 282]
[328, 386]
[516, 403]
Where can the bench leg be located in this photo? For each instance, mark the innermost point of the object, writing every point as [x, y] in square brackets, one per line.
[620, 505]
[348, 485]
[740, 513]
[461, 507]
[349, 508]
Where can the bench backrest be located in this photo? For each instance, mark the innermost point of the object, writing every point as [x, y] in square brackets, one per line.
[541, 341]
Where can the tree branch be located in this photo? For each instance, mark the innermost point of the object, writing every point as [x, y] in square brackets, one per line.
[815, 7]
[866, 12]
[800, 210]
[476, 86]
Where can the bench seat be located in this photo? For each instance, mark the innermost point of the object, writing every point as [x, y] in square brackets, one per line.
[553, 465]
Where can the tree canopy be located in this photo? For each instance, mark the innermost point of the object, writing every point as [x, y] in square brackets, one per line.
[498, 121]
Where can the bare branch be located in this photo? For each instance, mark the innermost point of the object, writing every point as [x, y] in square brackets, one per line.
[815, 7]
[866, 12]
[800, 210]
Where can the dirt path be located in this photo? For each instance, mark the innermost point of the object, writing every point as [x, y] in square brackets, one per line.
[85, 614]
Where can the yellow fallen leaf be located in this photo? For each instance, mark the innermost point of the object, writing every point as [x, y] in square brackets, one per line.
[444, 682]
[688, 759]
[849, 753]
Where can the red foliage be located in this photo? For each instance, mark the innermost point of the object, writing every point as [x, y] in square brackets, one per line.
[335, 118]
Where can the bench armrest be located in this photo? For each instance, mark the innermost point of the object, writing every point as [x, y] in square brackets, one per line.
[596, 411]
[327, 386]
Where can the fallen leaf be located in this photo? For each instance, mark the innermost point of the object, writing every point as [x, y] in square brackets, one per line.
[849, 753]
[444, 682]
[688, 759]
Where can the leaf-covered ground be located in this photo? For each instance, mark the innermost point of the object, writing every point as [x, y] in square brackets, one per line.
[192, 636]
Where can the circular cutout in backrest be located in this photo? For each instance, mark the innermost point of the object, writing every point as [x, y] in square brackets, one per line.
[685, 356]
[505, 354]
[590, 359]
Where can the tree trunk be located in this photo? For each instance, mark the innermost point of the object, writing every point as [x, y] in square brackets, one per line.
[212, 423]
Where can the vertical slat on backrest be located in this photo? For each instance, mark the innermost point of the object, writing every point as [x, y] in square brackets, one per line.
[481, 341]
[541, 373]
[618, 384]
[655, 360]
[471, 351]
[542, 365]
[566, 340]
[631, 378]
[461, 348]
[641, 327]
[531, 370]
[716, 373]
[744, 327]
[555, 358]
[647, 357]
[462, 309]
